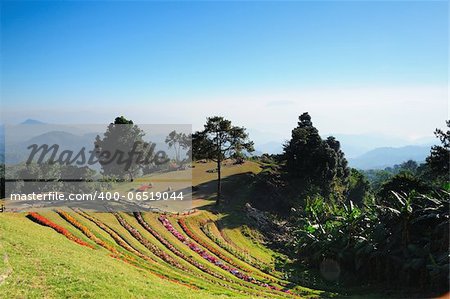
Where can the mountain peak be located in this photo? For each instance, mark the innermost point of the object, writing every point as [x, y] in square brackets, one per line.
[32, 122]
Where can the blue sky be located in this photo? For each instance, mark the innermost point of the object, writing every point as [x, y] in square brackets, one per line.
[259, 63]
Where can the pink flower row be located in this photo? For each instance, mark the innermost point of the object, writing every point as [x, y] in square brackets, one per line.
[203, 253]
[189, 259]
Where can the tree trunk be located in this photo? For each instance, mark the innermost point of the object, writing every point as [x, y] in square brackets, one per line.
[131, 176]
[219, 182]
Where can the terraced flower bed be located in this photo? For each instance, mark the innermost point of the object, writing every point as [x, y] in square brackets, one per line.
[188, 270]
[154, 249]
[239, 264]
[164, 250]
[46, 222]
[219, 263]
[212, 232]
[116, 237]
[66, 216]
[157, 269]
[182, 255]
[172, 248]
[240, 254]
[191, 235]
[219, 279]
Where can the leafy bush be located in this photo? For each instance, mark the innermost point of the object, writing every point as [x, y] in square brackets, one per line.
[402, 243]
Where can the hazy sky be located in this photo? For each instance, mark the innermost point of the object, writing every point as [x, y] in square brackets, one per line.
[357, 67]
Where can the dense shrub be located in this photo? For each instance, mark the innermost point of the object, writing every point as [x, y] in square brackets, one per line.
[401, 244]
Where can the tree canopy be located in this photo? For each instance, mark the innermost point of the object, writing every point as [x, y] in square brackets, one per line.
[220, 140]
[438, 160]
[122, 149]
[315, 164]
[179, 141]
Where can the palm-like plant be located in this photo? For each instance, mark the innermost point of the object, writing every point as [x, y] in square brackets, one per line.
[403, 242]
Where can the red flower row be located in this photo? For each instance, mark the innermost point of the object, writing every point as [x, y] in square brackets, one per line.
[44, 221]
[116, 237]
[86, 231]
[128, 259]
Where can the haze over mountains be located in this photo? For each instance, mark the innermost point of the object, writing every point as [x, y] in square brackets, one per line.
[383, 157]
[369, 151]
[363, 151]
[32, 122]
[67, 137]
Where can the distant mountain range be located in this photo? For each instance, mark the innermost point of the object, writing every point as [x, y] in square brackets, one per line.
[32, 122]
[21, 136]
[378, 158]
[17, 152]
[356, 145]
[362, 151]
[369, 151]
[383, 157]
[353, 145]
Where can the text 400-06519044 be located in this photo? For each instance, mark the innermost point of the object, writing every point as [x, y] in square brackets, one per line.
[141, 196]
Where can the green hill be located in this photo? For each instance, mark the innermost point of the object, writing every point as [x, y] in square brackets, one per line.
[104, 255]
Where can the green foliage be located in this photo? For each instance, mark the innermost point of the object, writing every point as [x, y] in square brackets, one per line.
[400, 239]
[123, 137]
[218, 141]
[313, 163]
[437, 162]
[409, 166]
[358, 187]
[403, 243]
[179, 141]
[120, 120]
[392, 230]
[309, 166]
[378, 177]
[402, 183]
[51, 177]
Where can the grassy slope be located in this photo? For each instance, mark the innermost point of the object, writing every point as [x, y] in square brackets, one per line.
[195, 228]
[207, 182]
[47, 264]
[200, 176]
[230, 219]
[236, 235]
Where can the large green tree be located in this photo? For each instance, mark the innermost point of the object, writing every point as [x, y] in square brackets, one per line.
[219, 140]
[314, 164]
[438, 160]
[122, 150]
